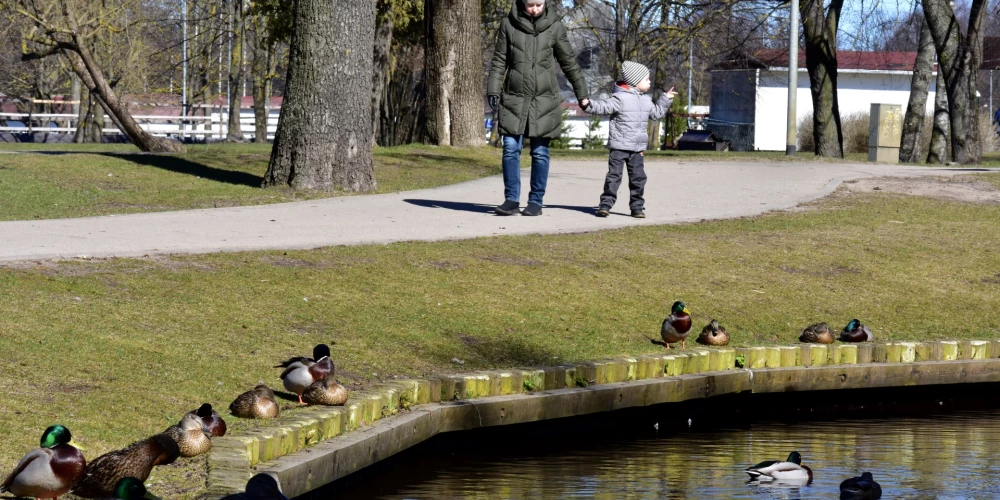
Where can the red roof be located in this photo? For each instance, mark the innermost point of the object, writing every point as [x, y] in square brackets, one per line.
[846, 59]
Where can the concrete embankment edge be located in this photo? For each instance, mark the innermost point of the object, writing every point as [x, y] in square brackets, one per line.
[319, 445]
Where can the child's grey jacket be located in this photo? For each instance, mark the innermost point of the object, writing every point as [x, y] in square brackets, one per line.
[630, 112]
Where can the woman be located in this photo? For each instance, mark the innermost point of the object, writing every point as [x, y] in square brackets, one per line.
[524, 86]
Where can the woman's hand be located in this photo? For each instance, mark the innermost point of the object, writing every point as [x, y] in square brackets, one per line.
[585, 103]
[494, 101]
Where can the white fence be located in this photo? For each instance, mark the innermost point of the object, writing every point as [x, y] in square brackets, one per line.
[212, 126]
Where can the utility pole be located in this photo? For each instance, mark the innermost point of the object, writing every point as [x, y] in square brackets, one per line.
[791, 137]
[690, 74]
[184, 62]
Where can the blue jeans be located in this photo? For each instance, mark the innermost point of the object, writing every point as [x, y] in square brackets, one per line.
[512, 145]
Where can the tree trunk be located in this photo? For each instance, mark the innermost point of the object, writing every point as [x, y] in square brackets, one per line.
[959, 58]
[235, 133]
[324, 131]
[83, 64]
[653, 129]
[95, 128]
[380, 70]
[821, 61]
[454, 73]
[916, 108]
[82, 116]
[263, 68]
[937, 152]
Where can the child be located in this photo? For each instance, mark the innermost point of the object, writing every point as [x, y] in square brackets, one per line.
[630, 110]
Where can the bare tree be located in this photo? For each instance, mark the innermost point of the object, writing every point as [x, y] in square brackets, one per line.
[68, 28]
[324, 131]
[236, 70]
[960, 54]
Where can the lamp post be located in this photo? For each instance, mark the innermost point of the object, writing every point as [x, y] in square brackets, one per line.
[791, 139]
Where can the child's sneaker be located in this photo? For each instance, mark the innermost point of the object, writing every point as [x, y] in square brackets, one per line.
[603, 212]
[639, 214]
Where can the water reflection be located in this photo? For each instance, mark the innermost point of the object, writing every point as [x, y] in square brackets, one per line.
[944, 456]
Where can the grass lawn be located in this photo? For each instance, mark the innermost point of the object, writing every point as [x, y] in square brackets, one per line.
[119, 349]
[100, 179]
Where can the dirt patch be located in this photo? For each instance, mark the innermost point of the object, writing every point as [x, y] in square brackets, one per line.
[823, 273]
[67, 388]
[993, 280]
[469, 340]
[514, 261]
[446, 265]
[956, 188]
[285, 261]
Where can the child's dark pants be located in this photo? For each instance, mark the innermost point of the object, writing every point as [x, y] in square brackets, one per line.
[617, 160]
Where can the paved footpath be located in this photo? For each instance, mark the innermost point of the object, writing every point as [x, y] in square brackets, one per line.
[676, 192]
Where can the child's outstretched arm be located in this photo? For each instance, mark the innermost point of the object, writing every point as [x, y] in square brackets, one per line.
[662, 106]
[604, 106]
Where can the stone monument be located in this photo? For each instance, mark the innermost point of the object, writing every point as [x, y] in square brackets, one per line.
[885, 131]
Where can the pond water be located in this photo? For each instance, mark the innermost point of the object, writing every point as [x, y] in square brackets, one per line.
[936, 456]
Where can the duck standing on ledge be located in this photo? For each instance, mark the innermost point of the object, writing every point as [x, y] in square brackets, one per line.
[856, 332]
[300, 372]
[817, 333]
[48, 471]
[789, 470]
[676, 327]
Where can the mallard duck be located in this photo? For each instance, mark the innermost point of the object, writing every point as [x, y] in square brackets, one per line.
[676, 327]
[713, 334]
[103, 473]
[258, 403]
[263, 486]
[49, 471]
[860, 488]
[192, 437]
[324, 392]
[856, 332]
[817, 333]
[213, 421]
[300, 372]
[789, 470]
[130, 488]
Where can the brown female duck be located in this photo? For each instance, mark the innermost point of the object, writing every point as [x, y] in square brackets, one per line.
[817, 333]
[713, 334]
[103, 473]
[258, 403]
[325, 393]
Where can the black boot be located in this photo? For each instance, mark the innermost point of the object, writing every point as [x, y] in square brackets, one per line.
[532, 210]
[507, 208]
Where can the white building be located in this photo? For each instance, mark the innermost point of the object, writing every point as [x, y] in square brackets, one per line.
[749, 95]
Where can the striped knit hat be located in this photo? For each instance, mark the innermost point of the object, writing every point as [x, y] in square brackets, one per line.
[633, 72]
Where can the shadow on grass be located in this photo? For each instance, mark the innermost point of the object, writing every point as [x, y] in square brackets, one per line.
[501, 352]
[183, 166]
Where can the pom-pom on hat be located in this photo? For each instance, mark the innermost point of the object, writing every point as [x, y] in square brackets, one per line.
[633, 72]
